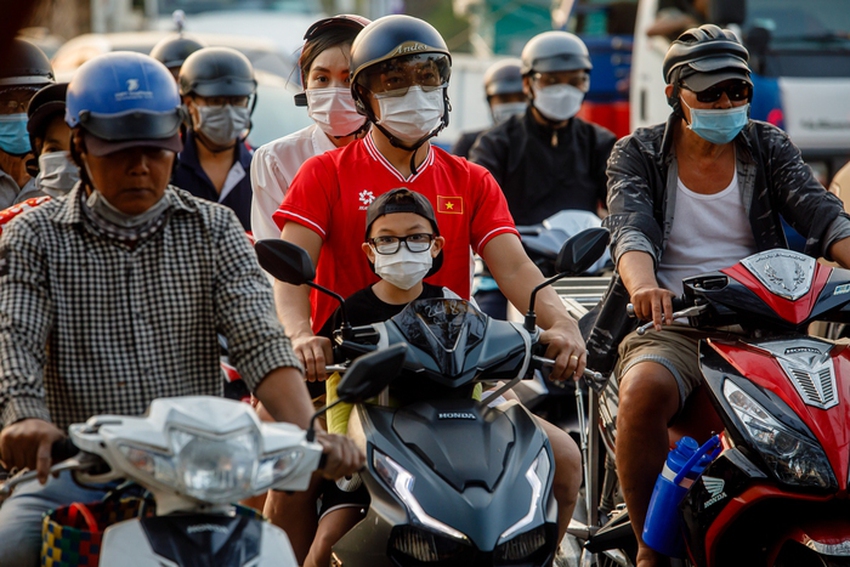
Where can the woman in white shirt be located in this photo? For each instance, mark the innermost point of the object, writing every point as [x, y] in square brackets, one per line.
[324, 65]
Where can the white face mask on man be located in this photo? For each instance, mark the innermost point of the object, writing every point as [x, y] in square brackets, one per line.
[412, 116]
[334, 111]
[404, 269]
[558, 102]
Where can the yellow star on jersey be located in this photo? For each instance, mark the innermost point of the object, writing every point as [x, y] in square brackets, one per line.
[450, 206]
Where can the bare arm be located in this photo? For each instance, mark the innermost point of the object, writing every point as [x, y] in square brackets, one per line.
[293, 308]
[517, 276]
[651, 302]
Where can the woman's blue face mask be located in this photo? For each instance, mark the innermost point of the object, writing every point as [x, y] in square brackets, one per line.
[718, 126]
[14, 138]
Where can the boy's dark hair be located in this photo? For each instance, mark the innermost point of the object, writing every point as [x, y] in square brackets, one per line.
[401, 200]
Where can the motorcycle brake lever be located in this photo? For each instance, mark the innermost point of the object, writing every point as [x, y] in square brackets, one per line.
[689, 312]
[331, 368]
[588, 373]
[79, 462]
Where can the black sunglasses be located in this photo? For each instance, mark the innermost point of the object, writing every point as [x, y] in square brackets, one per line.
[737, 91]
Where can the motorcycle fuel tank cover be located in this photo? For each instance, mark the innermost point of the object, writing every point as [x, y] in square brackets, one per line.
[464, 444]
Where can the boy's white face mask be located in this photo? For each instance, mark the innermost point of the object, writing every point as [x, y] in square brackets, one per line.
[404, 269]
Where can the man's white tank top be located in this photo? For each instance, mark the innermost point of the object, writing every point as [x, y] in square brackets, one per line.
[709, 232]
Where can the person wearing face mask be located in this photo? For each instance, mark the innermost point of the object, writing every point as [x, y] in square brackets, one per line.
[219, 92]
[324, 68]
[54, 171]
[547, 159]
[403, 245]
[505, 98]
[115, 294]
[24, 69]
[400, 68]
[696, 194]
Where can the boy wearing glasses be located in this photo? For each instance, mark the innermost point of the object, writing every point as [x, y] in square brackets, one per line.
[400, 68]
[696, 194]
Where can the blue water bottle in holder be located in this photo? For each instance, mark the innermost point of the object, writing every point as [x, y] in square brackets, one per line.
[662, 530]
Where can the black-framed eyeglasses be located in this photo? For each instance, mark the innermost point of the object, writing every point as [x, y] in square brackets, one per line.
[420, 242]
[736, 91]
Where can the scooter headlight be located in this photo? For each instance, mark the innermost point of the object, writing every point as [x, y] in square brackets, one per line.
[218, 470]
[793, 458]
[401, 482]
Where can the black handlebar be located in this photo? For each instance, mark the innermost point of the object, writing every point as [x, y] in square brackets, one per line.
[63, 449]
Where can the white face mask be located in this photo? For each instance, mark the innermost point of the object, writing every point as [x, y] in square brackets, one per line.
[413, 116]
[57, 174]
[404, 269]
[505, 110]
[334, 111]
[558, 102]
[222, 125]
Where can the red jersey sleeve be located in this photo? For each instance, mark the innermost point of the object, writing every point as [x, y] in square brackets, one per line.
[491, 215]
[308, 200]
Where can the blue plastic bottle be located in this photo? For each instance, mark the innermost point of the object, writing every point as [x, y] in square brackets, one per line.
[662, 530]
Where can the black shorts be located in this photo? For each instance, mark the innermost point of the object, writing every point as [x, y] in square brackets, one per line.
[333, 497]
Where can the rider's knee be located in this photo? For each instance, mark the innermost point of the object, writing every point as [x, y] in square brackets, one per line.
[649, 389]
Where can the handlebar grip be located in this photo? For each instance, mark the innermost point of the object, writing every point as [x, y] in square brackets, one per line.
[323, 461]
[63, 449]
[679, 304]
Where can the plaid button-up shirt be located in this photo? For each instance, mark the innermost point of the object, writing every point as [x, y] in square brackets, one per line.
[89, 325]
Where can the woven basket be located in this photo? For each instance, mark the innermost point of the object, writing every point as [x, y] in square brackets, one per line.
[71, 535]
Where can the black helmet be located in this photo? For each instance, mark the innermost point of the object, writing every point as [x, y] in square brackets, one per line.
[172, 51]
[217, 71]
[503, 77]
[705, 56]
[354, 22]
[393, 37]
[555, 51]
[45, 105]
[24, 64]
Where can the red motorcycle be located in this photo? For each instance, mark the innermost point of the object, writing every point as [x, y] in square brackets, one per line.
[777, 494]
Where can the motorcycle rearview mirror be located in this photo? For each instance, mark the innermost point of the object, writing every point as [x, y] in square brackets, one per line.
[576, 256]
[291, 264]
[286, 261]
[366, 378]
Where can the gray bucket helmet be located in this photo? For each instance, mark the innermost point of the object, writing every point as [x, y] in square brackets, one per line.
[555, 51]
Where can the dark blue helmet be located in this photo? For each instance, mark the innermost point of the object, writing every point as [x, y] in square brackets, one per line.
[123, 97]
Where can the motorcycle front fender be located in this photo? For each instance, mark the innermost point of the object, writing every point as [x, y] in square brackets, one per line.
[130, 544]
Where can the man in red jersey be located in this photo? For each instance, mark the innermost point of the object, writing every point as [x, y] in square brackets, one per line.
[400, 72]
[400, 69]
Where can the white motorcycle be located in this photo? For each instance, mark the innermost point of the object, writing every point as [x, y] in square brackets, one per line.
[197, 456]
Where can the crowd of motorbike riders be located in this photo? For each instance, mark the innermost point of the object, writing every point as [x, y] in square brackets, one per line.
[121, 272]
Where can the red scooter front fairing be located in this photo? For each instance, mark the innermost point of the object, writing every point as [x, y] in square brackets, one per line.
[777, 494]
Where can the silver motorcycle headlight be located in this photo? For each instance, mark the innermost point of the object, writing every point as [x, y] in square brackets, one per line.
[277, 467]
[218, 470]
[537, 476]
[793, 458]
[401, 482]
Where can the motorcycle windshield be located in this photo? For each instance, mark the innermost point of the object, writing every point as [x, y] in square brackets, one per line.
[444, 328]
